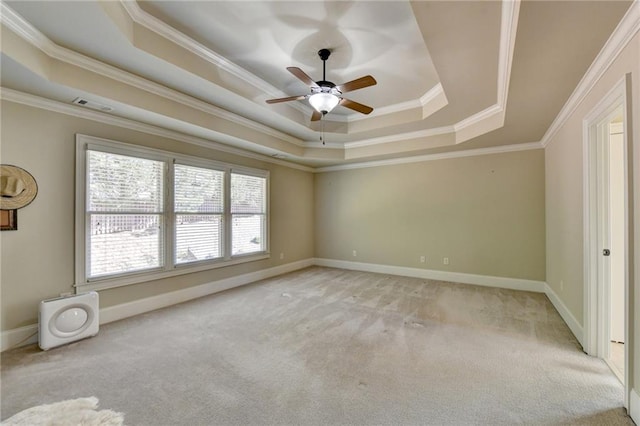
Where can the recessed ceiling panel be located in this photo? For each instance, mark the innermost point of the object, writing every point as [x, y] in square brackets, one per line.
[377, 38]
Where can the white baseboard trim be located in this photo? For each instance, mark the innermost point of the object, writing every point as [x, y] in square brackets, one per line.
[566, 314]
[20, 336]
[29, 334]
[458, 277]
[634, 406]
[126, 310]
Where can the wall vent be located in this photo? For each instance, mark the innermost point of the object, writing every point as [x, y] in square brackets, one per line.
[91, 104]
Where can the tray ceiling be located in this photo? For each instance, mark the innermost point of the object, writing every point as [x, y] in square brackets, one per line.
[451, 75]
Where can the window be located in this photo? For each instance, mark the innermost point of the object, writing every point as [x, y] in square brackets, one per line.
[248, 213]
[199, 213]
[144, 214]
[124, 214]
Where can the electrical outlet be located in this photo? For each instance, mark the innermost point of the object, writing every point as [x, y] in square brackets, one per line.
[281, 256]
[355, 253]
[445, 260]
[423, 259]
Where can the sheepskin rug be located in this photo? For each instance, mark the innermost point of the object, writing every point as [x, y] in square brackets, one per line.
[81, 412]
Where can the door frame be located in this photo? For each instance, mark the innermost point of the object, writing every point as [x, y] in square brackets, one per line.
[595, 295]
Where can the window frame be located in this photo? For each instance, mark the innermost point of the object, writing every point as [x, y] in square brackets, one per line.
[247, 172]
[170, 268]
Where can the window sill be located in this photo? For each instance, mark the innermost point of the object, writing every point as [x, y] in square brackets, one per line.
[107, 283]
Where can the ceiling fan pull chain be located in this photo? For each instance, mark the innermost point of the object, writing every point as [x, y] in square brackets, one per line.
[322, 129]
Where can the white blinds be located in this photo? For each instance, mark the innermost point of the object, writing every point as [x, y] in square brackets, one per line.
[124, 214]
[198, 190]
[199, 208]
[124, 184]
[146, 213]
[248, 213]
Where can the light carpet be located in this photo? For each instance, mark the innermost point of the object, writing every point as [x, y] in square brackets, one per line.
[77, 412]
[328, 346]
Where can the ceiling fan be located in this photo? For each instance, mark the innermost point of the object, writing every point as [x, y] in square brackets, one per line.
[325, 95]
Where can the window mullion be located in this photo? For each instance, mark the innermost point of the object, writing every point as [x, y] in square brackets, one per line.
[228, 218]
[169, 217]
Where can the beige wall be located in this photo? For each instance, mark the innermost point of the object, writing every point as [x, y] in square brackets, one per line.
[485, 213]
[38, 259]
[564, 192]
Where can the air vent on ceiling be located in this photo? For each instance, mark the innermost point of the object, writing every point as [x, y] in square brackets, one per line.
[91, 104]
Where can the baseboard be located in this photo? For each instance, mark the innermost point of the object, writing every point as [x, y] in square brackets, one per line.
[20, 336]
[129, 309]
[634, 406]
[458, 277]
[566, 314]
[29, 334]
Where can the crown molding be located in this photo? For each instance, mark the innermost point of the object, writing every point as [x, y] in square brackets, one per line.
[627, 28]
[399, 137]
[431, 95]
[29, 33]
[433, 157]
[80, 112]
[24, 29]
[21, 27]
[159, 27]
[15, 96]
[508, 30]
[509, 23]
[478, 117]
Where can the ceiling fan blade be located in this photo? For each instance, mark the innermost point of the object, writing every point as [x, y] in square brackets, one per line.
[316, 116]
[356, 84]
[355, 106]
[302, 76]
[290, 98]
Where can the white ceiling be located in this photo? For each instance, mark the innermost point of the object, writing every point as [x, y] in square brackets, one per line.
[451, 75]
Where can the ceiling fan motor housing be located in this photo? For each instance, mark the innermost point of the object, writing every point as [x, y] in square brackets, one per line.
[325, 87]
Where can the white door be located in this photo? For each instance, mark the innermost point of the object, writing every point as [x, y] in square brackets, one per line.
[606, 239]
[616, 218]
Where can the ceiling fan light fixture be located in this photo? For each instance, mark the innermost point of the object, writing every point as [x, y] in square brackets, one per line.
[323, 102]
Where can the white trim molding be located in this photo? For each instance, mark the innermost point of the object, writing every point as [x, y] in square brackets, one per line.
[621, 36]
[458, 277]
[593, 301]
[433, 157]
[76, 111]
[430, 274]
[431, 101]
[32, 35]
[566, 314]
[140, 306]
[399, 137]
[634, 406]
[17, 337]
[29, 334]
